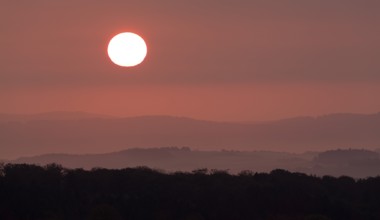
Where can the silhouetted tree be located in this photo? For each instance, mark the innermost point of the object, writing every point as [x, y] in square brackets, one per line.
[53, 192]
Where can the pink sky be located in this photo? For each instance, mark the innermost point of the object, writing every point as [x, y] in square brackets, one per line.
[219, 60]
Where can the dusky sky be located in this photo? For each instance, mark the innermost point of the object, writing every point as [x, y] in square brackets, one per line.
[217, 59]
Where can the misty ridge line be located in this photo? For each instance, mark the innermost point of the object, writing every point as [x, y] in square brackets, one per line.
[357, 163]
[83, 140]
[74, 115]
[78, 132]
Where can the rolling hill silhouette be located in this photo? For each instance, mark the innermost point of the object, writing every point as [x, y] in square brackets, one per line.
[358, 163]
[56, 115]
[24, 136]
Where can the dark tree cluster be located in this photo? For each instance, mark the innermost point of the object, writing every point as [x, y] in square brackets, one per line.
[29, 192]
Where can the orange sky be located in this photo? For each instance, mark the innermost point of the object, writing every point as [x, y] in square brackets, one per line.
[220, 60]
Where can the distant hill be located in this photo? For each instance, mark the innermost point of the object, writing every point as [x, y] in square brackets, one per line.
[56, 115]
[81, 133]
[352, 162]
[177, 159]
[345, 156]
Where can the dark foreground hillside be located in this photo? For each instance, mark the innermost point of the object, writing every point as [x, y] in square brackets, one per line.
[51, 192]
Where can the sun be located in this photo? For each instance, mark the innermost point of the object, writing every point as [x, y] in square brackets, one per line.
[127, 49]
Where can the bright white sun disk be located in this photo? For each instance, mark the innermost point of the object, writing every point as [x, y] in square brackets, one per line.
[127, 49]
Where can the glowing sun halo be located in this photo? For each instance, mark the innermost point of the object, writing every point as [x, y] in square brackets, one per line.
[127, 49]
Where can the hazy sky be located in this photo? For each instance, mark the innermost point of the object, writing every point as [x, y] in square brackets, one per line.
[220, 59]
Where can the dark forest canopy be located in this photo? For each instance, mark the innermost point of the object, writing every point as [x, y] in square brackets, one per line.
[53, 192]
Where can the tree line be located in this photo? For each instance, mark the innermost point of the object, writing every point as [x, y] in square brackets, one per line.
[29, 192]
